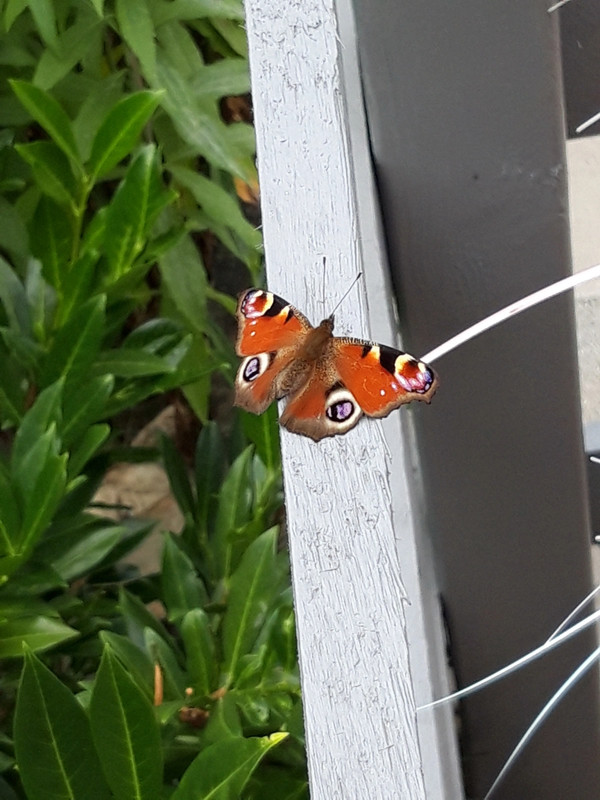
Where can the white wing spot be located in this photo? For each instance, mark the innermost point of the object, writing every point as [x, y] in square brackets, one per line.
[382, 392]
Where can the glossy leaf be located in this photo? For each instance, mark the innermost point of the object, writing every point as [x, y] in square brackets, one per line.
[51, 169]
[90, 442]
[84, 554]
[73, 45]
[195, 9]
[209, 467]
[178, 477]
[125, 733]
[132, 211]
[42, 12]
[200, 651]
[203, 130]
[53, 742]
[121, 130]
[184, 276]
[129, 363]
[50, 115]
[263, 431]
[235, 500]
[85, 404]
[182, 589]
[138, 618]
[230, 76]
[52, 239]
[135, 660]
[14, 299]
[46, 494]
[77, 343]
[251, 593]
[10, 517]
[38, 633]
[218, 204]
[221, 771]
[137, 29]
[45, 411]
[162, 654]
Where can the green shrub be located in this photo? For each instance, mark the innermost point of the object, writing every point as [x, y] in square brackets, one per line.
[114, 163]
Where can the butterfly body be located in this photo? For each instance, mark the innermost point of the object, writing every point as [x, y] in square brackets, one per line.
[330, 381]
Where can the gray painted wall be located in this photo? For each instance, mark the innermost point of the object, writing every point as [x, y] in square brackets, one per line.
[464, 104]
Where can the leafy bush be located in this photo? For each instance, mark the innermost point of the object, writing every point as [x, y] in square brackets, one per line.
[115, 168]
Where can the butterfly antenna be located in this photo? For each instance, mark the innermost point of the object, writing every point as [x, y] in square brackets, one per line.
[346, 293]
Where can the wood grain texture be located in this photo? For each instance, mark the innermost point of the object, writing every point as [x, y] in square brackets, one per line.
[350, 600]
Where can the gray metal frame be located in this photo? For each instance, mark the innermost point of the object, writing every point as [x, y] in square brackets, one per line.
[465, 112]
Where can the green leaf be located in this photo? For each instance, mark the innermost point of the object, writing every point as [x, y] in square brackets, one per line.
[202, 129]
[78, 285]
[184, 276]
[51, 169]
[200, 651]
[230, 76]
[42, 12]
[84, 554]
[233, 33]
[132, 211]
[221, 771]
[182, 589]
[89, 443]
[14, 299]
[10, 517]
[51, 239]
[137, 618]
[85, 404]
[130, 363]
[218, 204]
[44, 498]
[263, 431]
[235, 501]
[137, 29]
[14, 238]
[100, 99]
[252, 590]
[125, 733]
[163, 655]
[178, 477]
[38, 633]
[73, 45]
[44, 412]
[195, 9]
[26, 471]
[50, 115]
[120, 131]
[53, 742]
[134, 659]
[77, 343]
[209, 467]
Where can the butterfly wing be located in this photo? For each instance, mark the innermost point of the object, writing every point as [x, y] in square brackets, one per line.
[270, 333]
[381, 378]
[356, 377]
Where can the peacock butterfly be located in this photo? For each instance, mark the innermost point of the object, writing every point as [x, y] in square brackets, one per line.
[331, 381]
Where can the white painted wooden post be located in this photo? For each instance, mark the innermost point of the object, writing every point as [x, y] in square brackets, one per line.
[359, 697]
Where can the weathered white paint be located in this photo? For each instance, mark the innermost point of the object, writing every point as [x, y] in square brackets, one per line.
[350, 600]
